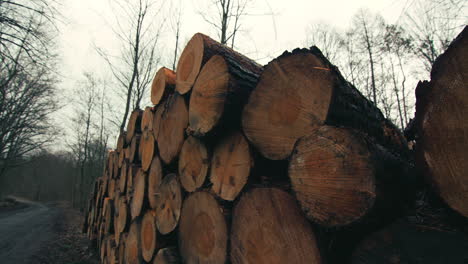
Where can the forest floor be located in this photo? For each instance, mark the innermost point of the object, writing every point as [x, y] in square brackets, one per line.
[36, 233]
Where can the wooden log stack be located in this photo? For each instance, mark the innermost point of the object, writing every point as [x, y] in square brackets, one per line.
[239, 163]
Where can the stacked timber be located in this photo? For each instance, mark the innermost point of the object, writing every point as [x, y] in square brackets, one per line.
[287, 163]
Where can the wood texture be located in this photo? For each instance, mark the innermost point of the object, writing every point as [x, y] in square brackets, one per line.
[134, 124]
[168, 204]
[133, 244]
[193, 164]
[163, 84]
[155, 176]
[139, 193]
[149, 238]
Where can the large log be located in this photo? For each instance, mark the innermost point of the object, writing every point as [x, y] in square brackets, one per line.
[168, 204]
[442, 129]
[139, 193]
[167, 256]
[301, 90]
[163, 84]
[220, 93]
[149, 235]
[203, 230]
[174, 120]
[339, 175]
[147, 146]
[193, 164]
[230, 166]
[269, 227]
[155, 176]
[198, 51]
[134, 124]
[133, 244]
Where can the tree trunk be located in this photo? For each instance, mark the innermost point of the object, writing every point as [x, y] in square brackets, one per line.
[220, 92]
[139, 193]
[441, 126]
[230, 166]
[134, 124]
[163, 85]
[301, 90]
[168, 256]
[133, 244]
[197, 52]
[269, 227]
[168, 204]
[193, 164]
[203, 231]
[155, 176]
[172, 127]
[339, 175]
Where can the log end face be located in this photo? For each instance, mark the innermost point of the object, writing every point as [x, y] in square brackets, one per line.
[193, 164]
[189, 64]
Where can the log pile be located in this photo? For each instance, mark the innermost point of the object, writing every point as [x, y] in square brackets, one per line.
[286, 163]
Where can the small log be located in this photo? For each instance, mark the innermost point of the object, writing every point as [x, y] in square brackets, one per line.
[168, 204]
[174, 121]
[203, 230]
[122, 141]
[198, 51]
[131, 174]
[147, 119]
[122, 242]
[269, 227]
[163, 84]
[127, 152]
[139, 193]
[168, 256]
[230, 166]
[121, 158]
[155, 176]
[157, 120]
[220, 93]
[135, 149]
[116, 168]
[123, 177]
[149, 238]
[193, 164]
[301, 90]
[339, 175]
[133, 244]
[134, 124]
[147, 147]
[441, 126]
[123, 215]
[112, 189]
[108, 215]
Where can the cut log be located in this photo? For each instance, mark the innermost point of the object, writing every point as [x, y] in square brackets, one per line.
[149, 240]
[127, 152]
[193, 164]
[123, 215]
[269, 227]
[230, 166]
[220, 93]
[108, 216]
[135, 149]
[133, 244]
[301, 90]
[116, 168]
[123, 240]
[147, 119]
[122, 141]
[134, 124]
[131, 174]
[121, 158]
[168, 204]
[139, 193]
[339, 174]
[163, 84]
[203, 230]
[442, 129]
[154, 180]
[112, 189]
[405, 243]
[174, 121]
[147, 147]
[167, 256]
[123, 177]
[198, 51]
[157, 120]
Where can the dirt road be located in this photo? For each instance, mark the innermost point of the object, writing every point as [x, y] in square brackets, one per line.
[24, 231]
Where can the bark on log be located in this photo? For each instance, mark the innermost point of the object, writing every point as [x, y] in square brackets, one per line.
[193, 164]
[139, 193]
[174, 120]
[163, 84]
[301, 90]
[269, 227]
[147, 146]
[134, 124]
[155, 176]
[149, 235]
[220, 92]
[133, 244]
[441, 126]
[168, 256]
[203, 230]
[168, 204]
[230, 166]
[339, 175]
[198, 51]
[147, 119]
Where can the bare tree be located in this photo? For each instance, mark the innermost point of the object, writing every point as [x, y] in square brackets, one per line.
[133, 69]
[327, 38]
[176, 25]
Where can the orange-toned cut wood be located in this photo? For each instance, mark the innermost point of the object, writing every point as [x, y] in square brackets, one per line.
[147, 119]
[122, 141]
[163, 84]
[147, 147]
[168, 204]
[230, 166]
[133, 244]
[134, 124]
[122, 242]
[157, 120]
[139, 193]
[155, 176]
[149, 239]
[203, 230]
[123, 215]
[123, 177]
[269, 228]
[135, 149]
[193, 164]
